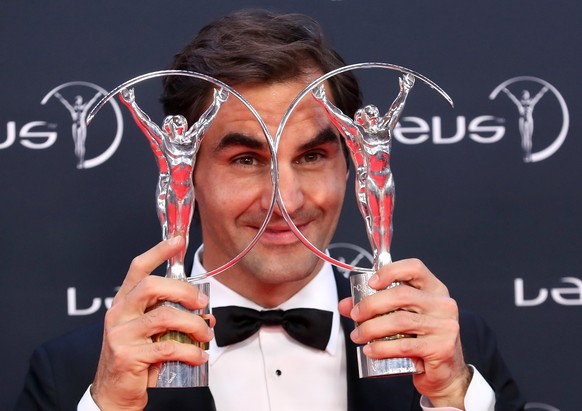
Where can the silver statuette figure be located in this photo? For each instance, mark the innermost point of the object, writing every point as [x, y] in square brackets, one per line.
[175, 147]
[369, 139]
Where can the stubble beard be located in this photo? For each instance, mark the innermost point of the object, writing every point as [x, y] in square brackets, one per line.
[280, 264]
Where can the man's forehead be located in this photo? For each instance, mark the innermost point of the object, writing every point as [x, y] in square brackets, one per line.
[271, 102]
[326, 135]
[237, 117]
[274, 94]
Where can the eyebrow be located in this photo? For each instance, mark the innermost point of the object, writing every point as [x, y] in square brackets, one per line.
[325, 136]
[239, 139]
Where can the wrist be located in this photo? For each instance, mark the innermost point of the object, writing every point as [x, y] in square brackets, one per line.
[454, 394]
[104, 403]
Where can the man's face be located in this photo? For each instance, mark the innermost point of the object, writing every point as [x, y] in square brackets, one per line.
[233, 188]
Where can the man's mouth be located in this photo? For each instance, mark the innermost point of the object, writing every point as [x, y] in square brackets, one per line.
[281, 234]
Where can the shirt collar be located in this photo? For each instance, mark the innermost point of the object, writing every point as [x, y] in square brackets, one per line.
[320, 293]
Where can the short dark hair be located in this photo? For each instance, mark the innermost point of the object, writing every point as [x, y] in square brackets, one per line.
[255, 46]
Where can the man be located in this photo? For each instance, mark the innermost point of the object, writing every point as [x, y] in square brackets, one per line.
[269, 59]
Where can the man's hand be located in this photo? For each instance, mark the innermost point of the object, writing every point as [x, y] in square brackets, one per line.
[422, 306]
[130, 360]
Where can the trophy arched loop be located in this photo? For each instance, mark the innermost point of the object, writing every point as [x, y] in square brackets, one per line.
[268, 138]
[283, 122]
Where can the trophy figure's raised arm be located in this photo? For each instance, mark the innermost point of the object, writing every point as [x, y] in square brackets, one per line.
[154, 135]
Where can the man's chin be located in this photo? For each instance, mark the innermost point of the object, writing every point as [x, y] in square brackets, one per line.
[287, 264]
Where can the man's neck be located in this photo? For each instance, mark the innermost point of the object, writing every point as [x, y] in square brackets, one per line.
[264, 294]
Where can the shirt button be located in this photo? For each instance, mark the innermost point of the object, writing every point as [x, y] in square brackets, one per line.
[278, 372]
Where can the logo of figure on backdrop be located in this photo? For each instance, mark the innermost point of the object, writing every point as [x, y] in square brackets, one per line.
[538, 406]
[525, 104]
[351, 254]
[78, 107]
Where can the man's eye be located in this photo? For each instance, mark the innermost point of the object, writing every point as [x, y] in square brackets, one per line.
[312, 157]
[245, 161]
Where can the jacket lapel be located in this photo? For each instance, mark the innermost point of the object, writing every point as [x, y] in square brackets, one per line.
[180, 399]
[372, 394]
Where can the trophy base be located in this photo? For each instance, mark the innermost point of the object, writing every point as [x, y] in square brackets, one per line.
[369, 367]
[177, 374]
[386, 367]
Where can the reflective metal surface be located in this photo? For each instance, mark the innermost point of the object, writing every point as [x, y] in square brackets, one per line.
[176, 374]
[175, 147]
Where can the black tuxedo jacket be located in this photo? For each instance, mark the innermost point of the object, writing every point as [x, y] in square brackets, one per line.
[62, 369]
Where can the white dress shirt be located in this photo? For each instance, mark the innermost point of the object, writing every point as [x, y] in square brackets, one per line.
[272, 372]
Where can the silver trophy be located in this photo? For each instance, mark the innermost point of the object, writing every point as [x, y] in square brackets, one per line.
[175, 146]
[368, 136]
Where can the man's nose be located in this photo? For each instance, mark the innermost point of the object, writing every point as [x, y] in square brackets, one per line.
[290, 189]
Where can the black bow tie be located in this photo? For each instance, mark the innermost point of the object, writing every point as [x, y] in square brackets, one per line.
[307, 325]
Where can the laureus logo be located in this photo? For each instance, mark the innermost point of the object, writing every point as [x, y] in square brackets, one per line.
[78, 97]
[538, 406]
[350, 254]
[525, 93]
